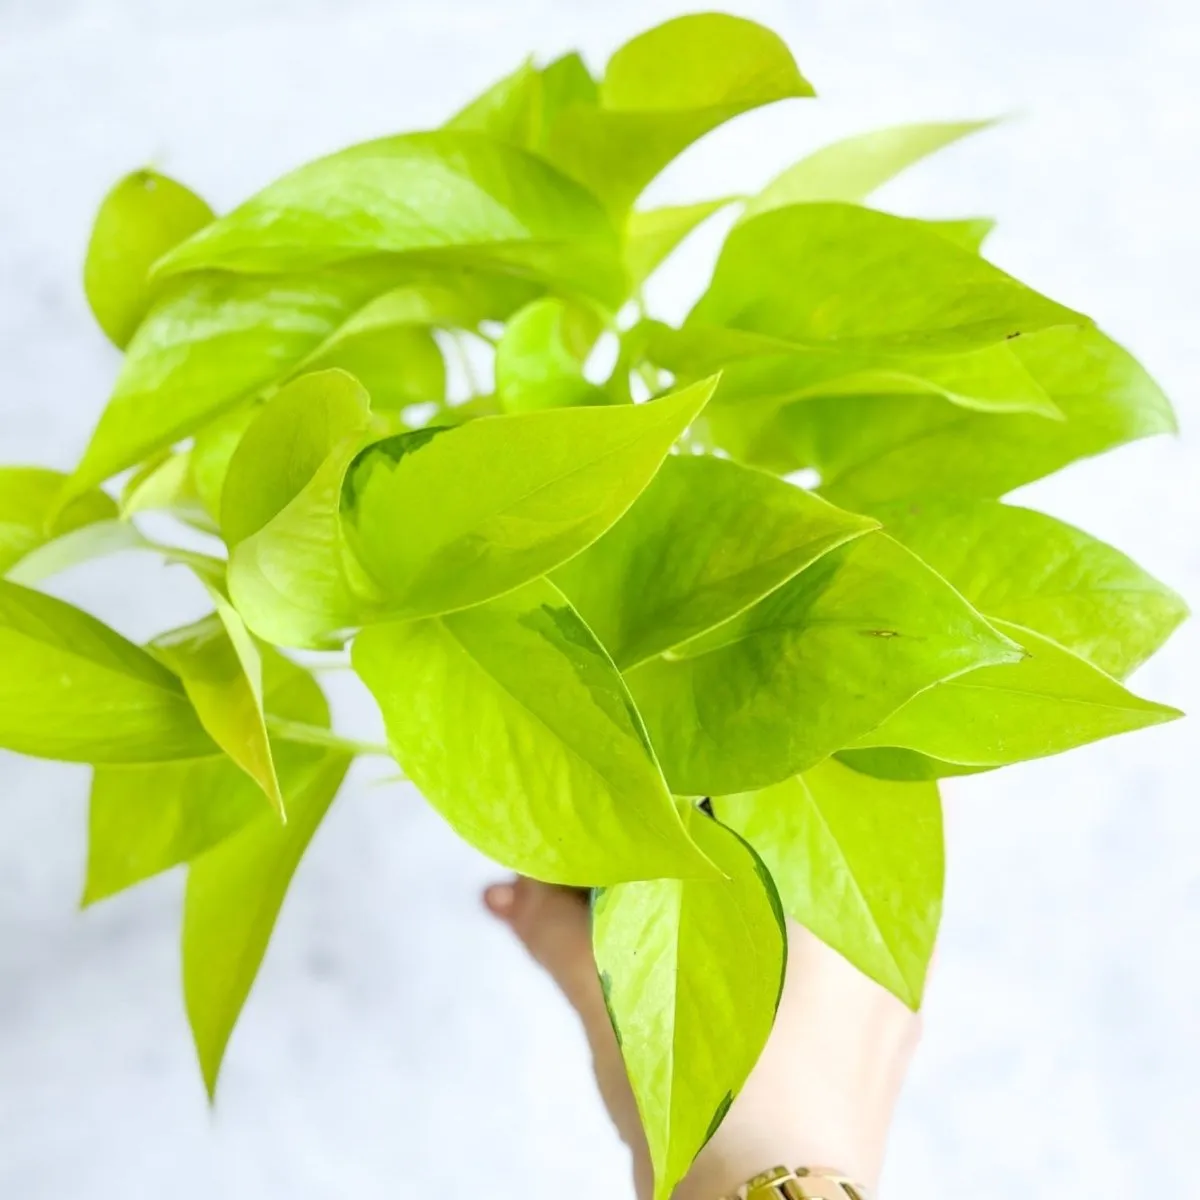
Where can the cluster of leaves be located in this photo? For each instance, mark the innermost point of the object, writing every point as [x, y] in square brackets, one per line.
[585, 601]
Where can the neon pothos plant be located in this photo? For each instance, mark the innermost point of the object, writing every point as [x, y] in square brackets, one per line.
[586, 601]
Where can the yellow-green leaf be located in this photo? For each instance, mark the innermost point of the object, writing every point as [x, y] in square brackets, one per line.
[817, 663]
[703, 542]
[850, 170]
[1049, 701]
[30, 515]
[142, 217]
[221, 670]
[75, 690]
[858, 861]
[234, 894]
[515, 725]
[492, 504]
[148, 817]
[692, 973]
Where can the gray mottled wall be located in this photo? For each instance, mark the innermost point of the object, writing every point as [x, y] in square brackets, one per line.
[396, 1036]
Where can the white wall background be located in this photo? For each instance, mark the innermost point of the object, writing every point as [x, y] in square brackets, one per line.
[396, 1036]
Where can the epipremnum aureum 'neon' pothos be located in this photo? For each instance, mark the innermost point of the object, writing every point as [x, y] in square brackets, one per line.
[584, 600]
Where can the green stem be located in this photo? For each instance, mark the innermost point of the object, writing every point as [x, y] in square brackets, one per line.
[314, 735]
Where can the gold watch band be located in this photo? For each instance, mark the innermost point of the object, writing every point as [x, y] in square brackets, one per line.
[804, 1183]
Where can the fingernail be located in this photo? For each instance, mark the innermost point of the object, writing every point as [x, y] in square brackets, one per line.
[500, 898]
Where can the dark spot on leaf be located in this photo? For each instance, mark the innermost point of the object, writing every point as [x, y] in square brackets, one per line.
[1008, 337]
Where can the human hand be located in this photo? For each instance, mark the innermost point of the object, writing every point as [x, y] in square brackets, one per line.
[823, 1092]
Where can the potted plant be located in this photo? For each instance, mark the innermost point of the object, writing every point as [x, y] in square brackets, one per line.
[698, 626]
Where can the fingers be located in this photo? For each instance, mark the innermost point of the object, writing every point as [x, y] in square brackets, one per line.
[552, 923]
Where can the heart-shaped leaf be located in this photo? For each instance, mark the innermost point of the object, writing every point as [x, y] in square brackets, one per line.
[285, 446]
[146, 818]
[234, 894]
[1049, 701]
[497, 502]
[210, 342]
[1043, 574]
[457, 198]
[75, 690]
[662, 91]
[817, 663]
[692, 972]
[705, 541]
[850, 170]
[873, 449]
[221, 670]
[30, 515]
[840, 276]
[858, 861]
[142, 217]
[515, 725]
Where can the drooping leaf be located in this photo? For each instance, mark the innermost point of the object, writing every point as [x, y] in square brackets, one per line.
[146, 818]
[453, 197]
[88, 542]
[703, 542]
[692, 973]
[142, 217]
[285, 445]
[858, 861]
[874, 449]
[73, 689]
[651, 235]
[29, 516]
[662, 91]
[1049, 701]
[1043, 574]
[814, 665]
[221, 670]
[490, 505]
[850, 170]
[816, 275]
[540, 357]
[515, 725]
[234, 894]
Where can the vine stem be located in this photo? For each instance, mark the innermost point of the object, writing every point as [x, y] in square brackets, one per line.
[314, 735]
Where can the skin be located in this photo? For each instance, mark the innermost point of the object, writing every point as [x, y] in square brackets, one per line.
[823, 1092]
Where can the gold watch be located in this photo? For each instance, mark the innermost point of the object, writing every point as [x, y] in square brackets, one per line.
[804, 1183]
